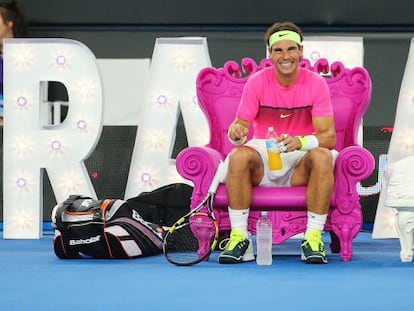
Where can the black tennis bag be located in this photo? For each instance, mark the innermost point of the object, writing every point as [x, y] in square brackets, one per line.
[107, 229]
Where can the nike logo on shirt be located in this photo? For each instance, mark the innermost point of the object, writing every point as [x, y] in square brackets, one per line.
[283, 116]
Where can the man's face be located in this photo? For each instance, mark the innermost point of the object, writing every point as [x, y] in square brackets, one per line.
[285, 55]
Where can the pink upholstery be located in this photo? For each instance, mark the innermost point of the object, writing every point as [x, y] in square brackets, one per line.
[219, 91]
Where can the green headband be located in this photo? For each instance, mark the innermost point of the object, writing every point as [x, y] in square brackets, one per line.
[284, 35]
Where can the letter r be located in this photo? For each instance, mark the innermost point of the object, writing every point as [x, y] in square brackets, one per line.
[30, 145]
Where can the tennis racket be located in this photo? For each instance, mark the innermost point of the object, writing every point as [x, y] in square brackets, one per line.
[194, 236]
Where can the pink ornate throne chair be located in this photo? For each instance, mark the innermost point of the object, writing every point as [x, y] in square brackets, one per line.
[219, 91]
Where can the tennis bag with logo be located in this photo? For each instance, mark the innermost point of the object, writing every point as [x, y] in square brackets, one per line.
[108, 229]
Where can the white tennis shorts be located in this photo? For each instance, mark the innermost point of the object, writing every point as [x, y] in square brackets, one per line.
[279, 178]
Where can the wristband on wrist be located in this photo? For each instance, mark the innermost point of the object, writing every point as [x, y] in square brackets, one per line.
[308, 142]
[238, 142]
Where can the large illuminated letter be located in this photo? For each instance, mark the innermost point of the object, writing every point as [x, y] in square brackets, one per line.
[30, 143]
[350, 51]
[401, 146]
[174, 67]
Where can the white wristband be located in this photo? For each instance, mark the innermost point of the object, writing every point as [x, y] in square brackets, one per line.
[308, 142]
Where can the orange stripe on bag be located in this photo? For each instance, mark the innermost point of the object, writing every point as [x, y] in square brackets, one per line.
[104, 206]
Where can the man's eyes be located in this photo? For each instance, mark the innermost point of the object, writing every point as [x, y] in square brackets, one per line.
[292, 49]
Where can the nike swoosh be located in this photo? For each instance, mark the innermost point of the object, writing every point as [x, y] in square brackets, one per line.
[282, 34]
[284, 116]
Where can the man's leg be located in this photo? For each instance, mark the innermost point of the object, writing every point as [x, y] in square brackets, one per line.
[245, 170]
[315, 170]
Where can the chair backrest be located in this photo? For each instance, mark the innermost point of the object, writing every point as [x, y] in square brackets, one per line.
[219, 91]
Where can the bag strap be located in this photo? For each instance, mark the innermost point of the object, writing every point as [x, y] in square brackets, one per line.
[104, 205]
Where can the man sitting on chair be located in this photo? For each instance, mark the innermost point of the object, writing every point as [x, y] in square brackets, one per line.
[296, 103]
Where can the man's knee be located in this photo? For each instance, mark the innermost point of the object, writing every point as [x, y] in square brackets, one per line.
[246, 160]
[321, 158]
[243, 155]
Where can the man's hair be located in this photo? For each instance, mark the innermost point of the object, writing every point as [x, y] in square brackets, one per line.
[11, 11]
[282, 26]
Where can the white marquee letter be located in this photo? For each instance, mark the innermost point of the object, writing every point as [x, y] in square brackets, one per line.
[174, 68]
[401, 146]
[30, 143]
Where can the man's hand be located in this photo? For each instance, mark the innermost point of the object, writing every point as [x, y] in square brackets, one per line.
[290, 143]
[238, 131]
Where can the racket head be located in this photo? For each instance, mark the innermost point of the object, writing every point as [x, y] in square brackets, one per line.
[191, 239]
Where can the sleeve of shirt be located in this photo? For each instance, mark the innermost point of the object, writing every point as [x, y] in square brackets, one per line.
[249, 102]
[322, 105]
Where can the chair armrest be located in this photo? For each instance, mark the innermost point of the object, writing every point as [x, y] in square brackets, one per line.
[353, 164]
[199, 165]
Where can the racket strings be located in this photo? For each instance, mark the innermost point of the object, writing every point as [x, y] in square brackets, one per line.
[192, 240]
[182, 240]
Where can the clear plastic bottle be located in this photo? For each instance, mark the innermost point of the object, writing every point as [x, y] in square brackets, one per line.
[264, 240]
[273, 152]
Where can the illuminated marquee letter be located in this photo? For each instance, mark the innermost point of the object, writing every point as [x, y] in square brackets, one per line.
[401, 146]
[31, 144]
[174, 67]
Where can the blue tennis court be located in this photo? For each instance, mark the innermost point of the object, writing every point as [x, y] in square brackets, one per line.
[33, 278]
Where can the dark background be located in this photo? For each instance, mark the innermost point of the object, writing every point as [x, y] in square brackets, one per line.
[234, 29]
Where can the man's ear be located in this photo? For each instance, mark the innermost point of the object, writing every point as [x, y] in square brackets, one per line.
[9, 25]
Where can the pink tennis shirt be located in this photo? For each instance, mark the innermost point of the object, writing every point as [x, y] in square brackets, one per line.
[265, 103]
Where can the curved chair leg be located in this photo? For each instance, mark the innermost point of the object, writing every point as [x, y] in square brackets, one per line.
[346, 228]
[346, 243]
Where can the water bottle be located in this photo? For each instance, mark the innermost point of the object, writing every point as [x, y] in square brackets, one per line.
[273, 151]
[264, 240]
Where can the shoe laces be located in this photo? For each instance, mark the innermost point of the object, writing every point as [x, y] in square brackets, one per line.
[236, 236]
[314, 240]
[223, 244]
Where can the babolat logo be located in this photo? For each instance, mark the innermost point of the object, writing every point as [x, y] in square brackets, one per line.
[136, 216]
[91, 240]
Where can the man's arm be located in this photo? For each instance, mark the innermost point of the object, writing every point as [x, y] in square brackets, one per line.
[325, 131]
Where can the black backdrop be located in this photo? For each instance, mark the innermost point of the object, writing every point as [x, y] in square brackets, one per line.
[319, 13]
[234, 29]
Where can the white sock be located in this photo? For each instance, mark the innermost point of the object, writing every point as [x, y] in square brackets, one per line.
[315, 221]
[238, 219]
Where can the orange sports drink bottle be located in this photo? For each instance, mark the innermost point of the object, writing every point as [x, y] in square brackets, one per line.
[273, 151]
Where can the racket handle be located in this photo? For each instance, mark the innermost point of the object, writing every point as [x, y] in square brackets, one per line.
[217, 177]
